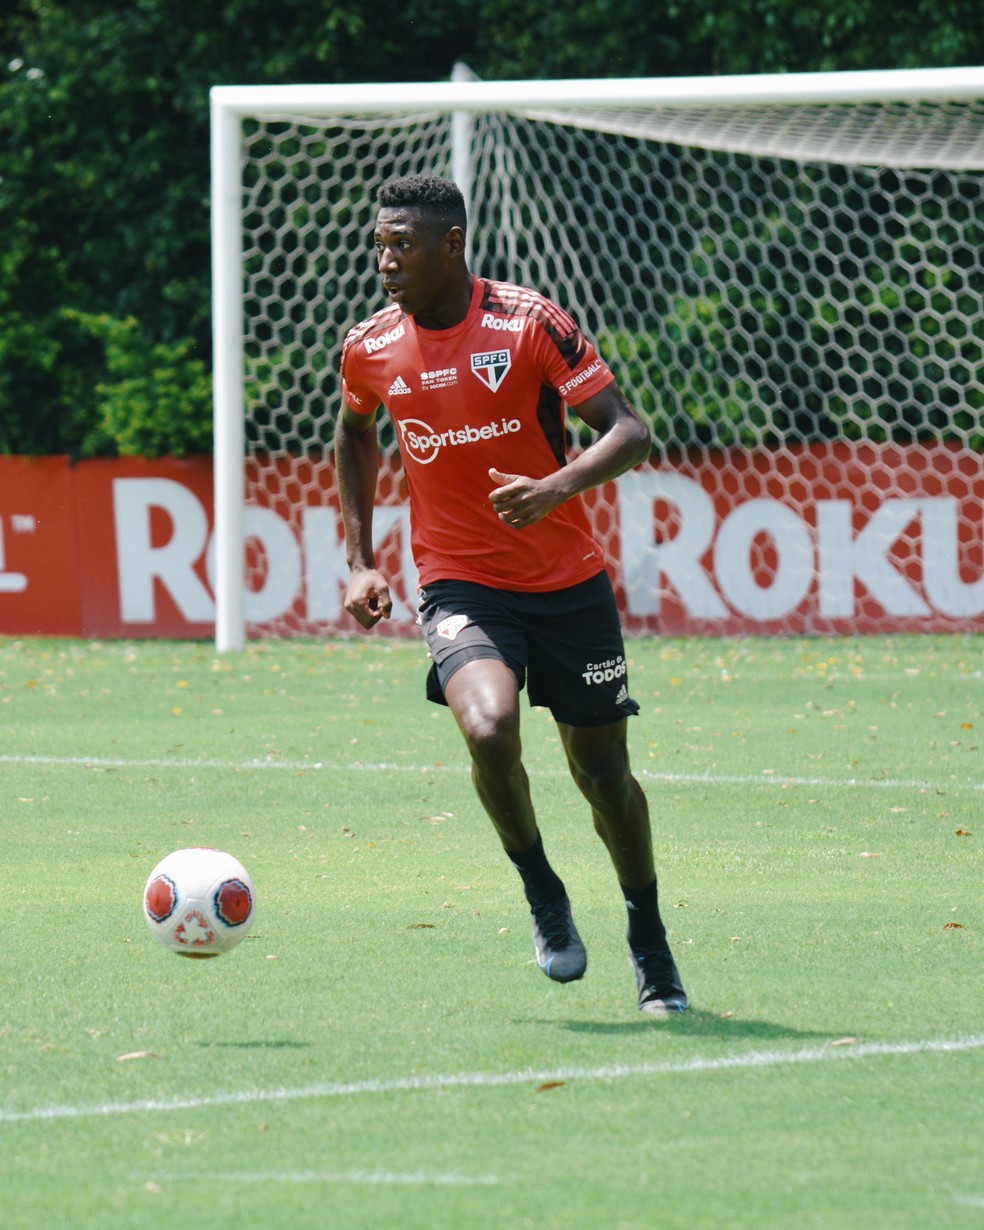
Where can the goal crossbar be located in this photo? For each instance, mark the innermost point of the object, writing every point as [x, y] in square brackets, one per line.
[889, 85]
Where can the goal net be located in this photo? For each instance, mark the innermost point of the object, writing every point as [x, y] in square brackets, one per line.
[787, 283]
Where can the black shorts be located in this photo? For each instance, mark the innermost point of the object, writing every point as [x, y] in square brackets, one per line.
[565, 646]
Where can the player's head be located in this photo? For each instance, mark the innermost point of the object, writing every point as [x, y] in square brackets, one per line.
[420, 248]
[438, 200]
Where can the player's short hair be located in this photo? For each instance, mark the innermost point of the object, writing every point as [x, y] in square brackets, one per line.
[438, 198]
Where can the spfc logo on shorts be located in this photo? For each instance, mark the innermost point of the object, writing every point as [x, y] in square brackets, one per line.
[491, 367]
[450, 627]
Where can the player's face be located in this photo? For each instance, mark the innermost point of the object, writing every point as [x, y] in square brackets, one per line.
[414, 256]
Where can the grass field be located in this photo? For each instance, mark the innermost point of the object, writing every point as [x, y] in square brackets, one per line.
[382, 1050]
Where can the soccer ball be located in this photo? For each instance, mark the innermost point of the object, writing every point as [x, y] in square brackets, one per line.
[199, 902]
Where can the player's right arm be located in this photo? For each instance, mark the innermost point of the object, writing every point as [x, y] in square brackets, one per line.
[367, 597]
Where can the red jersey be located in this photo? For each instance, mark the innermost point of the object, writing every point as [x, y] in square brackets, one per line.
[488, 392]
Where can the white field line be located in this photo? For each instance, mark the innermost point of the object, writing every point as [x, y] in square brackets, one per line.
[491, 1080]
[767, 777]
[420, 1178]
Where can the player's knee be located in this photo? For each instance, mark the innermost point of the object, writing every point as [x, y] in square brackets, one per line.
[493, 739]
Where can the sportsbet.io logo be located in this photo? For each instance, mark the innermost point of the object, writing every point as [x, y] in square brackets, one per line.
[423, 443]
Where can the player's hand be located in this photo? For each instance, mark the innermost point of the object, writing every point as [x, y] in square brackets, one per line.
[520, 501]
[367, 597]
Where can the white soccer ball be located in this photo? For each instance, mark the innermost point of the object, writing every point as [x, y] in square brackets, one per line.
[199, 902]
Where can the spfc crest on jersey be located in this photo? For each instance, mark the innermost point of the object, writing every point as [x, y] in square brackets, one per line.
[451, 625]
[491, 367]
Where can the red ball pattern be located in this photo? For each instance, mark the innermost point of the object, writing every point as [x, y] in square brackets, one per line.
[161, 898]
[233, 902]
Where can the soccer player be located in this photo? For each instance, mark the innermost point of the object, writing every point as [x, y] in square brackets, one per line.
[475, 374]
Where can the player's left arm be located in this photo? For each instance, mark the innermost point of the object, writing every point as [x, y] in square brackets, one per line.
[623, 442]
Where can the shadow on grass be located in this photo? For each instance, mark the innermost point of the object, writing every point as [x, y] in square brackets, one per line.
[695, 1023]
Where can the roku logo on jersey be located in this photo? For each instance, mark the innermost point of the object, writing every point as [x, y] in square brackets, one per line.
[507, 324]
[423, 443]
[377, 343]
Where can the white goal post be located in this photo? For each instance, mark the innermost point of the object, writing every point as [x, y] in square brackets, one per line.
[792, 268]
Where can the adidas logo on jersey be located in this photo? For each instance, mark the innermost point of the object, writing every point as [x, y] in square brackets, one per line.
[398, 386]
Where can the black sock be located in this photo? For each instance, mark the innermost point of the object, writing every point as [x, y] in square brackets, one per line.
[646, 930]
[541, 882]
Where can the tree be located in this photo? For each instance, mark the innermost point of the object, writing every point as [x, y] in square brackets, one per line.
[104, 148]
[104, 186]
[768, 36]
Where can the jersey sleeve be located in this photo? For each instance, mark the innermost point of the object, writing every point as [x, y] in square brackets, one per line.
[355, 390]
[570, 362]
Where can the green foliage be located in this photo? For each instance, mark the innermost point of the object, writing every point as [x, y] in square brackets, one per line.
[91, 385]
[759, 36]
[156, 400]
[47, 365]
[104, 148]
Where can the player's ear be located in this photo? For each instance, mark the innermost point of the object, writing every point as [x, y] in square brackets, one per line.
[455, 240]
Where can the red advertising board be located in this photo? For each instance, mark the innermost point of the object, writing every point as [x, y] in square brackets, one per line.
[839, 539]
[39, 549]
[70, 543]
[836, 539]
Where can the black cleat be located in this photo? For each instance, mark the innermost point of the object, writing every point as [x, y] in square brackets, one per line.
[559, 951]
[660, 987]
